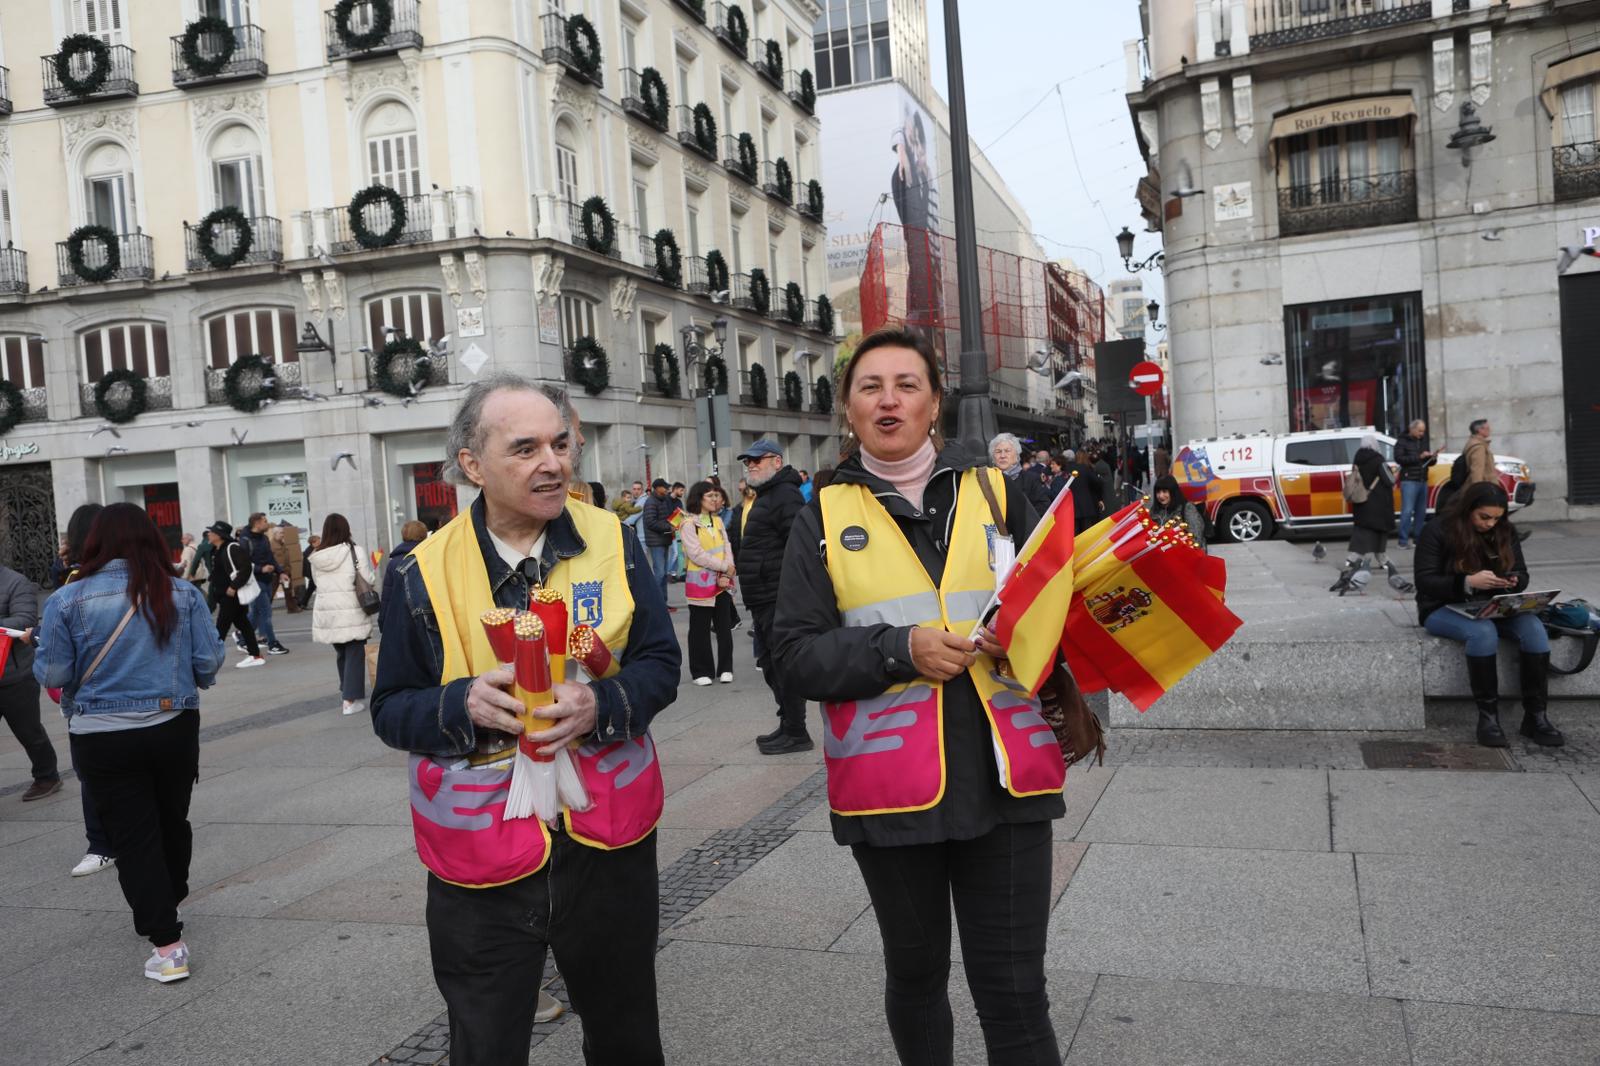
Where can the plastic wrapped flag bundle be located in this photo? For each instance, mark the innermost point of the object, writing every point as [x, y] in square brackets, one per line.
[533, 776]
[551, 609]
[497, 623]
[589, 651]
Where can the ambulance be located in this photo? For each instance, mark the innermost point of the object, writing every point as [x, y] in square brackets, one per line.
[1248, 486]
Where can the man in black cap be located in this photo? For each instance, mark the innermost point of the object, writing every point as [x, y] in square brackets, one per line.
[759, 560]
[656, 518]
[231, 570]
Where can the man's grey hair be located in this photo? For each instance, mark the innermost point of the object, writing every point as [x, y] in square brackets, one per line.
[1415, 422]
[466, 428]
[1069, 456]
[1005, 438]
[1476, 424]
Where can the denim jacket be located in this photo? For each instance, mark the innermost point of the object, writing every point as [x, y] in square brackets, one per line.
[138, 674]
[413, 712]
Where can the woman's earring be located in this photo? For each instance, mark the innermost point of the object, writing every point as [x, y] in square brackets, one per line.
[930, 430]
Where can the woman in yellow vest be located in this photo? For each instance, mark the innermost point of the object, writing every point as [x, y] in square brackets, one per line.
[942, 777]
[708, 585]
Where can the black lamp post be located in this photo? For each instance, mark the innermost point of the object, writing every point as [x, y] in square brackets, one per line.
[311, 341]
[1153, 310]
[1125, 249]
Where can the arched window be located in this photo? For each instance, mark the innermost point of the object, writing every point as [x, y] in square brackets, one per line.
[269, 332]
[578, 315]
[236, 170]
[22, 364]
[418, 315]
[568, 183]
[137, 346]
[392, 155]
[108, 188]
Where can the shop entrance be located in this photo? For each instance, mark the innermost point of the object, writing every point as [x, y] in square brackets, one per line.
[1580, 326]
[28, 535]
[435, 497]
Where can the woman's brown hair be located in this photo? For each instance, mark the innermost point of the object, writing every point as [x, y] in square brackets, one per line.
[1471, 551]
[888, 337]
[124, 531]
[335, 531]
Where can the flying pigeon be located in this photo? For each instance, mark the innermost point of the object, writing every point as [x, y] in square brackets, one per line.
[342, 456]
[1318, 552]
[106, 427]
[238, 437]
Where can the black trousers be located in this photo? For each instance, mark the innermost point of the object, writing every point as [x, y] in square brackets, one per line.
[597, 910]
[19, 706]
[791, 708]
[350, 659]
[230, 613]
[140, 781]
[1000, 883]
[702, 620]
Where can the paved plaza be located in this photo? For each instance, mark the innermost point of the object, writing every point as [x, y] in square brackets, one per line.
[1221, 897]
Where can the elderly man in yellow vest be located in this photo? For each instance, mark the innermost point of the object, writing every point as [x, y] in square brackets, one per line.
[504, 892]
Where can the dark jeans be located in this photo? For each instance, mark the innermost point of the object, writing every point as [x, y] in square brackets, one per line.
[351, 658]
[1413, 510]
[1001, 886]
[93, 831]
[141, 780]
[597, 910]
[19, 706]
[791, 708]
[229, 613]
[261, 610]
[701, 622]
[659, 565]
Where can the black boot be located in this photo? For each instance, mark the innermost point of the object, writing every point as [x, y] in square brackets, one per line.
[792, 736]
[768, 738]
[1535, 695]
[1485, 681]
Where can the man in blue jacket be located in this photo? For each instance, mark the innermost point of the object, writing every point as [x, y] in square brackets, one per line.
[655, 519]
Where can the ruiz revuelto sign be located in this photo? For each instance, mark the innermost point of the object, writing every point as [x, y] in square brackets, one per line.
[1344, 113]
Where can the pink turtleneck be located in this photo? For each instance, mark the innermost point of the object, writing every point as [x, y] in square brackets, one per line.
[909, 476]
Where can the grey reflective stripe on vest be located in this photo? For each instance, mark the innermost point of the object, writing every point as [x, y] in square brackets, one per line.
[964, 604]
[916, 609]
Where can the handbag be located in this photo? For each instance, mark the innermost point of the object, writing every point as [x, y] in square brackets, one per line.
[1078, 731]
[247, 593]
[366, 595]
[1356, 490]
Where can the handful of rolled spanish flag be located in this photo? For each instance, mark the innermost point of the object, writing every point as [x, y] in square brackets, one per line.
[1130, 605]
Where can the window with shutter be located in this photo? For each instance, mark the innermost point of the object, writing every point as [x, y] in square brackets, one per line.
[411, 314]
[265, 331]
[137, 346]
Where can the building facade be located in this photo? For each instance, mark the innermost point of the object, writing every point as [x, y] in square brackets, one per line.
[381, 201]
[1377, 212]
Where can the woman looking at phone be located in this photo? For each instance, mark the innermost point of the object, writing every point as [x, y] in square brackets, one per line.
[1471, 553]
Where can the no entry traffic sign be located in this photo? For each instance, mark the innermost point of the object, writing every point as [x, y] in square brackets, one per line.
[1145, 378]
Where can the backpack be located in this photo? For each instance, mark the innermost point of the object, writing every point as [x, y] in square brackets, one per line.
[1356, 490]
[1458, 472]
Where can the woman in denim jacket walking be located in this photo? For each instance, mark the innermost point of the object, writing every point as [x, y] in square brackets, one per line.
[130, 644]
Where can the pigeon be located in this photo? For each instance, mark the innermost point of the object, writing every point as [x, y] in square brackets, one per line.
[106, 427]
[1359, 579]
[342, 456]
[303, 393]
[116, 449]
[1318, 552]
[374, 401]
[238, 437]
[1398, 583]
[185, 425]
[1568, 257]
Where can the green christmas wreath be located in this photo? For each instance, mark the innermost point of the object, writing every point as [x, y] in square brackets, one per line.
[737, 29]
[822, 396]
[716, 271]
[808, 91]
[716, 375]
[814, 197]
[783, 179]
[653, 91]
[382, 22]
[584, 44]
[594, 208]
[81, 236]
[794, 391]
[664, 368]
[775, 60]
[128, 404]
[760, 291]
[749, 162]
[590, 367]
[198, 63]
[73, 46]
[250, 382]
[758, 385]
[374, 194]
[669, 261]
[418, 367]
[794, 303]
[824, 316]
[705, 130]
[11, 406]
[205, 237]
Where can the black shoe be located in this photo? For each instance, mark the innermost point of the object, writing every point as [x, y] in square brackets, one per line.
[786, 744]
[41, 788]
[277, 649]
[768, 738]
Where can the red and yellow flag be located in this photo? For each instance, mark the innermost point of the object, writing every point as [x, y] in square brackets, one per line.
[1036, 595]
[676, 518]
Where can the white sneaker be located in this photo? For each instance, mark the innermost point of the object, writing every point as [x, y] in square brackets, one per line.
[726, 678]
[92, 864]
[702, 681]
[249, 660]
[353, 707]
[174, 967]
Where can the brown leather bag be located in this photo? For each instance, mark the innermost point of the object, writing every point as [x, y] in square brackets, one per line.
[1078, 731]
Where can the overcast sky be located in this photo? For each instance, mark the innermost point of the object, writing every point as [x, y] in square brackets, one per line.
[1012, 62]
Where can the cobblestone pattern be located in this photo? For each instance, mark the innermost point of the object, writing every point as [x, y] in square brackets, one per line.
[693, 878]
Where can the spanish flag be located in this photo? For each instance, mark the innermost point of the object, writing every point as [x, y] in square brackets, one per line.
[377, 557]
[1035, 596]
[676, 518]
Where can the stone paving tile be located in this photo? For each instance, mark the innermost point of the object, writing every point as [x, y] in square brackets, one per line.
[1256, 808]
[1445, 1034]
[728, 796]
[1085, 786]
[394, 890]
[265, 887]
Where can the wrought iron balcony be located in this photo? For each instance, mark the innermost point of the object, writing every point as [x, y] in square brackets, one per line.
[5, 91]
[778, 182]
[248, 59]
[802, 90]
[748, 171]
[1353, 203]
[266, 244]
[135, 261]
[157, 394]
[635, 104]
[404, 31]
[686, 135]
[438, 369]
[1577, 170]
[378, 218]
[727, 34]
[695, 8]
[1281, 22]
[575, 225]
[558, 49]
[758, 59]
[747, 392]
[35, 405]
[117, 83]
[288, 375]
[13, 271]
[809, 205]
[740, 292]
[694, 275]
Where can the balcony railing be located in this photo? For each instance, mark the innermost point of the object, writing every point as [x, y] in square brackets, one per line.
[1281, 22]
[779, 186]
[13, 271]
[35, 405]
[1353, 203]
[686, 135]
[288, 375]
[635, 104]
[740, 292]
[157, 394]
[266, 244]
[135, 261]
[118, 80]
[558, 49]
[438, 370]
[695, 8]
[379, 219]
[247, 60]
[802, 90]
[1577, 170]
[745, 170]
[726, 33]
[758, 59]
[5, 91]
[747, 392]
[803, 202]
[575, 225]
[404, 31]
[694, 275]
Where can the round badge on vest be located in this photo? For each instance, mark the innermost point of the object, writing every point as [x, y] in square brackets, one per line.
[853, 538]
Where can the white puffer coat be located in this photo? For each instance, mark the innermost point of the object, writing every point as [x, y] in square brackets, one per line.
[336, 614]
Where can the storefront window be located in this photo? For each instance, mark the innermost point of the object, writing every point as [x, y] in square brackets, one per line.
[1356, 363]
[435, 497]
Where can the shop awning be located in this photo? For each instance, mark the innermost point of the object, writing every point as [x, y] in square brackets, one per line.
[1344, 113]
[1575, 69]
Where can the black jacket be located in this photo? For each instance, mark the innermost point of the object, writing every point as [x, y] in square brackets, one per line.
[391, 575]
[822, 659]
[19, 609]
[1035, 482]
[1408, 454]
[1088, 495]
[261, 555]
[230, 566]
[759, 556]
[1439, 579]
[658, 532]
[1377, 511]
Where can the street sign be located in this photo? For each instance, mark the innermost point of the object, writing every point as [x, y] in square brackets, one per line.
[1145, 378]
